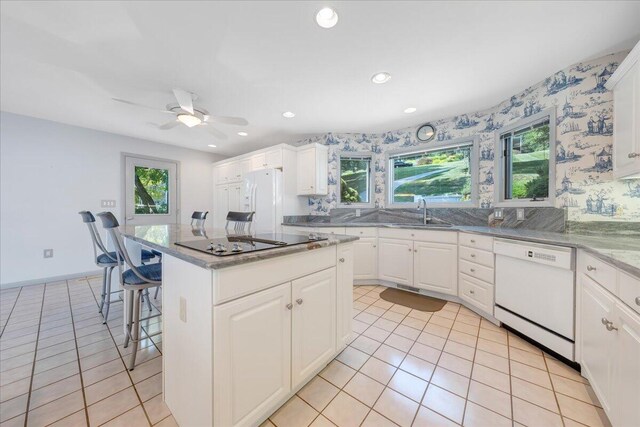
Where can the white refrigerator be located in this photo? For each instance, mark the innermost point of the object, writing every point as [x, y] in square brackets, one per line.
[262, 194]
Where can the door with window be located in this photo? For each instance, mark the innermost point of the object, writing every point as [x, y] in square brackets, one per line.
[150, 191]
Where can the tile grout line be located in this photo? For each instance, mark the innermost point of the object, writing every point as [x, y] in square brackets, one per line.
[11, 312]
[553, 390]
[75, 339]
[133, 384]
[35, 354]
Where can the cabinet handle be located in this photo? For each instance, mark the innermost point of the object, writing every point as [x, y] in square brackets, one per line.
[264, 164]
[472, 292]
[289, 306]
[637, 298]
[590, 268]
[312, 186]
[473, 255]
[473, 270]
[410, 249]
[299, 301]
[415, 250]
[472, 241]
[632, 155]
[341, 259]
[608, 324]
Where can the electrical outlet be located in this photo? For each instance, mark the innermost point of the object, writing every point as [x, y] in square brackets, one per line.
[498, 213]
[107, 203]
[520, 214]
[48, 253]
[357, 212]
[183, 309]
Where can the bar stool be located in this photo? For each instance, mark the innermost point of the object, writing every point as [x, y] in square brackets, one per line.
[198, 218]
[105, 260]
[241, 221]
[135, 281]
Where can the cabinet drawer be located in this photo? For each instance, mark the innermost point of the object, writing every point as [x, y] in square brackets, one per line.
[362, 231]
[599, 271]
[476, 270]
[476, 241]
[479, 256]
[630, 291]
[476, 292]
[419, 235]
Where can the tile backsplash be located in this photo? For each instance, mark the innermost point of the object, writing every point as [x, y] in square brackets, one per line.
[584, 140]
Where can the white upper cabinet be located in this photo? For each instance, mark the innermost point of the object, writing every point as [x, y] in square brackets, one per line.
[312, 170]
[625, 83]
[273, 159]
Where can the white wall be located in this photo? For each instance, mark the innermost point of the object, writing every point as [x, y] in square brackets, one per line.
[51, 171]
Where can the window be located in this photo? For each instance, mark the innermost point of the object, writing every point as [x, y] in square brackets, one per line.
[442, 175]
[355, 178]
[526, 162]
[151, 190]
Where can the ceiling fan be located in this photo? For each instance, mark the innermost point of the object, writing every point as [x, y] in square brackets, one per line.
[190, 115]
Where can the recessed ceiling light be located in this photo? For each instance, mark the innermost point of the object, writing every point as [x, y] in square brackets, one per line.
[379, 78]
[410, 110]
[211, 145]
[189, 120]
[243, 133]
[288, 115]
[327, 17]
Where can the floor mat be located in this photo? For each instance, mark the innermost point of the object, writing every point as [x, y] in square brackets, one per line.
[415, 301]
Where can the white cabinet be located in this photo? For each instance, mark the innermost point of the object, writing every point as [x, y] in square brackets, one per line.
[476, 292]
[625, 83]
[365, 264]
[395, 261]
[435, 267]
[314, 323]
[312, 167]
[245, 166]
[626, 376]
[252, 356]
[274, 158]
[258, 161]
[235, 197]
[344, 287]
[596, 341]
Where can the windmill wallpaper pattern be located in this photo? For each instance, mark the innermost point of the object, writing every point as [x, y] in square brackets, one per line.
[583, 146]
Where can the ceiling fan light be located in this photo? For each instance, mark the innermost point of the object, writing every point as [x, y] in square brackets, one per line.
[189, 120]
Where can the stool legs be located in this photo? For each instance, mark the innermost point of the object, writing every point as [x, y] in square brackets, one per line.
[104, 289]
[130, 298]
[135, 327]
[155, 296]
[107, 297]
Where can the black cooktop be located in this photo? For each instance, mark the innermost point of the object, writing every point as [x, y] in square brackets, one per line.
[242, 244]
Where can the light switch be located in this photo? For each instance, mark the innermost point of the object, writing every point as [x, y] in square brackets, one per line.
[357, 212]
[498, 213]
[107, 203]
[183, 309]
[520, 214]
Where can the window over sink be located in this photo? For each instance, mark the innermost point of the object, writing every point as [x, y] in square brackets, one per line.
[443, 175]
[355, 179]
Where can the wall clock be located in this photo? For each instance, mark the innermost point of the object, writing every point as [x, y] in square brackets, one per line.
[426, 132]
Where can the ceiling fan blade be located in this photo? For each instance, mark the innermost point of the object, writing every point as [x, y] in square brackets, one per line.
[124, 101]
[169, 125]
[215, 132]
[238, 121]
[184, 99]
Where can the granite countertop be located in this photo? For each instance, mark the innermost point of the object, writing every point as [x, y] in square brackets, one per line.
[621, 251]
[163, 238]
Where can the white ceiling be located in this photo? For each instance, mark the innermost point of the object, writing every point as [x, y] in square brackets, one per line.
[64, 61]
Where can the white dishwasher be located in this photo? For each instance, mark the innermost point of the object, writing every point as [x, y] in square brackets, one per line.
[535, 292]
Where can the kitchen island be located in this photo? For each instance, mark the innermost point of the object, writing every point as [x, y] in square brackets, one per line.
[242, 333]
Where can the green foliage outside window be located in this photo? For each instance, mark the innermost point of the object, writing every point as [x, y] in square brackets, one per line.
[151, 190]
[354, 180]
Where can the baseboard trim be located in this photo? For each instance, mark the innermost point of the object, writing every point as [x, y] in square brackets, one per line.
[49, 279]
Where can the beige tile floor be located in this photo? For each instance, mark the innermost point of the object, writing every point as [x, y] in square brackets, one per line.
[60, 366]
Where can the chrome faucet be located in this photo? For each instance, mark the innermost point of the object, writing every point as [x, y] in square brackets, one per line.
[425, 213]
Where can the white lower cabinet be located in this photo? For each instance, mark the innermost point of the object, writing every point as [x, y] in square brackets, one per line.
[395, 261]
[597, 342]
[435, 267]
[345, 255]
[626, 374]
[365, 264]
[252, 355]
[267, 344]
[314, 323]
